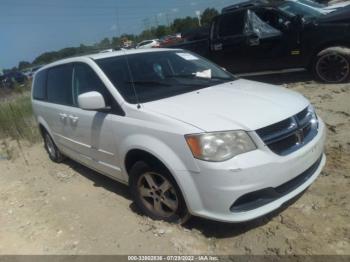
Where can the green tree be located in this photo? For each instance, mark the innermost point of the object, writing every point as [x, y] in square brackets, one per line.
[208, 15]
[84, 49]
[23, 65]
[46, 57]
[115, 43]
[104, 44]
[183, 24]
[179, 25]
[162, 30]
[68, 52]
[147, 34]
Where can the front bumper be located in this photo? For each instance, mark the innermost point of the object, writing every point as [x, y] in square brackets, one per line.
[212, 192]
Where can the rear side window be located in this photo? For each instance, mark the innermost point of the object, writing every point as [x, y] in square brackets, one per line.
[231, 24]
[39, 86]
[59, 85]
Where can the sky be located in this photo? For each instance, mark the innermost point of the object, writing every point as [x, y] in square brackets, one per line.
[31, 27]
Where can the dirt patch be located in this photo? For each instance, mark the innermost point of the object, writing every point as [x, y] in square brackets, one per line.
[68, 209]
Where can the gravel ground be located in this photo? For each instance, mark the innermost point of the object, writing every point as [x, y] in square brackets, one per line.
[46, 208]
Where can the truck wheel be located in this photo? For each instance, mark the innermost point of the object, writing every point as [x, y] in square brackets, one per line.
[156, 193]
[332, 65]
[52, 150]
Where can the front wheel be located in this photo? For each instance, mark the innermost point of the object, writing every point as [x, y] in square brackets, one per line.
[156, 193]
[52, 150]
[332, 65]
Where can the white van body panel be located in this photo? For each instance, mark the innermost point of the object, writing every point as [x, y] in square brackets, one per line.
[102, 140]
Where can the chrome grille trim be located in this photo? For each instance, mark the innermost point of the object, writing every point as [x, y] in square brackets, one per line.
[289, 135]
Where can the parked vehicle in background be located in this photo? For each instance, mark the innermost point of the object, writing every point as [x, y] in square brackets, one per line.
[338, 5]
[243, 4]
[148, 44]
[9, 79]
[324, 8]
[196, 33]
[184, 134]
[285, 35]
[17, 76]
[106, 50]
[2, 81]
[170, 40]
[29, 72]
[320, 7]
[127, 44]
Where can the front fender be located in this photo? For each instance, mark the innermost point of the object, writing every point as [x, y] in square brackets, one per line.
[179, 166]
[41, 121]
[160, 150]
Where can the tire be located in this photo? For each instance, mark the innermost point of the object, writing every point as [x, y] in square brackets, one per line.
[156, 193]
[332, 65]
[54, 153]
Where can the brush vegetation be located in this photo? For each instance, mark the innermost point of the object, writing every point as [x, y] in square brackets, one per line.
[16, 119]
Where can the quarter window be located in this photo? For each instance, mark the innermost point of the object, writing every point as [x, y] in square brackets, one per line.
[59, 85]
[39, 86]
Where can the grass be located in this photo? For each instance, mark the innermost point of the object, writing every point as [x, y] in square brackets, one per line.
[17, 122]
[16, 119]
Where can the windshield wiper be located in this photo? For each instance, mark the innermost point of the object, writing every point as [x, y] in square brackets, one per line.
[147, 82]
[199, 77]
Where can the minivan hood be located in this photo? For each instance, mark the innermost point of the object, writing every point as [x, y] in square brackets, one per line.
[240, 104]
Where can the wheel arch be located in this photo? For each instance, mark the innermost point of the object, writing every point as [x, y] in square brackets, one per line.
[44, 127]
[144, 145]
[153, 147]
[324, 46]
[135, 155]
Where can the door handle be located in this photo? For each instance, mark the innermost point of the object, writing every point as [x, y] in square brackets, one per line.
[217, 47]
[253, 40]
[63, 116]
[74, 118]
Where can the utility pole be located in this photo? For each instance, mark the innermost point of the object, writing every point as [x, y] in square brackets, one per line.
[168, 19]
[198, 14]
[156, 20]
[116, 22]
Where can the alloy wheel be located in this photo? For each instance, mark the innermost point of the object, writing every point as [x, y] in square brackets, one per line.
[158, 194]
[50, 146]
[333, 68]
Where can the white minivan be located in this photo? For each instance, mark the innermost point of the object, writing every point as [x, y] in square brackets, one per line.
[184, 134]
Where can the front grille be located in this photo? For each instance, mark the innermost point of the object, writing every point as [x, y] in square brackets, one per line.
[264, 196]
[290, 134]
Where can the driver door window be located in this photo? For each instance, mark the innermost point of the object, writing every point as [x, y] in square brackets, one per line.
[274, 19]
[85, 80]
[254, 25]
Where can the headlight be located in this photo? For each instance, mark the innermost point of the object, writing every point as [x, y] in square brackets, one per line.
[313, 116]
[219, 146]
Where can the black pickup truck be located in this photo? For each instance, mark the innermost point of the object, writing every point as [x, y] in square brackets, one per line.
[279, 36]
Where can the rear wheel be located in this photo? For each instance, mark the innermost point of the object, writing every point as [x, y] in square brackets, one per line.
[156, 193]
[332, 65]
[52, 150]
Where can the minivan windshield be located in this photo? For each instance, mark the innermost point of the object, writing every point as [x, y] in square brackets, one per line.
[161, 74]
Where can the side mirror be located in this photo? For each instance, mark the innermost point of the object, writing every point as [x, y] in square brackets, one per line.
[91, 101]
